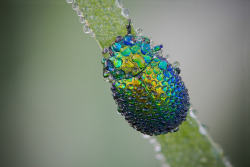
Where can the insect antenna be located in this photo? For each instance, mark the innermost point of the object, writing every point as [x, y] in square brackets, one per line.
[129, 26]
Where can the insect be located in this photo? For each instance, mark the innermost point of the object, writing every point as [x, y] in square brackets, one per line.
[148, 90]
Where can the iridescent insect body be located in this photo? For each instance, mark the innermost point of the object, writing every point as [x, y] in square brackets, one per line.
[148, 90]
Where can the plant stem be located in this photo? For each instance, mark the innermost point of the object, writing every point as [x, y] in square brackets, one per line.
[191, 146]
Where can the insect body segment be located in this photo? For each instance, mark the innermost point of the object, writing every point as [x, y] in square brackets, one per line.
[148, 90]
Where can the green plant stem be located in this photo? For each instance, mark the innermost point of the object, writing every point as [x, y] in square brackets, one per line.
[191, 146]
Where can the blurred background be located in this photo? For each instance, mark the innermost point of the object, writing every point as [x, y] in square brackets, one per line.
[57, 111]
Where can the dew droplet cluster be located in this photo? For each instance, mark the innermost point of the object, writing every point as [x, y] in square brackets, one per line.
[85, 9]
[157, 148]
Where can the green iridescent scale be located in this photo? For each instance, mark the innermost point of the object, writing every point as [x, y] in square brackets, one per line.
[147, 88]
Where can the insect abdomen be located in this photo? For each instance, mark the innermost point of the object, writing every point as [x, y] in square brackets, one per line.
[155, 101]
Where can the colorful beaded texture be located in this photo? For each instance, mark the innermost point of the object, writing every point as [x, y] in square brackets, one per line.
[147, 88]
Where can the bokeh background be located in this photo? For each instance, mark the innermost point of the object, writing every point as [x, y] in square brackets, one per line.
[57, 111]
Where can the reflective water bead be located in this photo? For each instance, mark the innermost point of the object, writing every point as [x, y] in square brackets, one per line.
[202, 129]
[167, 56]
[117, 63]
[82, 19]
[86, 29]
[146, 136]
[105, 50]
[145, 48]
[79, 12]
[176, 64]
[119, 3]
[117, 47]
[92, 34]
[123, 85]
[69, 1]
[157, 148]
[139, 38]
[125, 12]
[160, 157]
[139, 31]
[162, 65]
[75, 6]
[165, 165]
[118, 38]
[128, 40]
[152, 43]
[147, 59]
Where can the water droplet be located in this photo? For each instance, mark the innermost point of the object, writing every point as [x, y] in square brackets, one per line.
[92, 34]
[152, 141]
[193, 113]
[167, 56]
[139, 39]
[79, 12]
[105, 50]
[165, 165]
[219, 148]
[152, 44]
[125, 12]
[202, 129]
[203, 159]
[159, 52]
[146, 136]
[69, 1]
[175, 129]
[227, 162]
[82, 19]
[160, 157]
[119, 3]
[139, 31]
[176, 64]
[75, 6]
[157, 148]
[86, 29]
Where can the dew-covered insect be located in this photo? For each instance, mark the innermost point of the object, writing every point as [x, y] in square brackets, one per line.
[147, 88]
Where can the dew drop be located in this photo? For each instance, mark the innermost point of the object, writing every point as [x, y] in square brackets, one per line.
[79, 12]
[139, 31]
[125, 12]
[159, 52]
[105, 50]
[165, 165]
[152, 141]
[157, 148]
[86, 29]
[82, 19]
[160, 157]
[175, 129]
[152, 43]
[139, 39]
[146, 136]
[69, 1]
[202, 129]
[193, 113]
[203, 159]
[167, 56]
[227, 162]
[75, 6]
[119, 3]
[92, 34]
[176, 64]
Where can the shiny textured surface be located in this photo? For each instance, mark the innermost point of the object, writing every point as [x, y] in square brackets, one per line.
[147, 88]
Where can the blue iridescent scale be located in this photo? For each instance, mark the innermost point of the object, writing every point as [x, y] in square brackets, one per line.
[148, 90]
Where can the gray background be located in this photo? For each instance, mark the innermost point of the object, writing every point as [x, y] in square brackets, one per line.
[57, 111]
